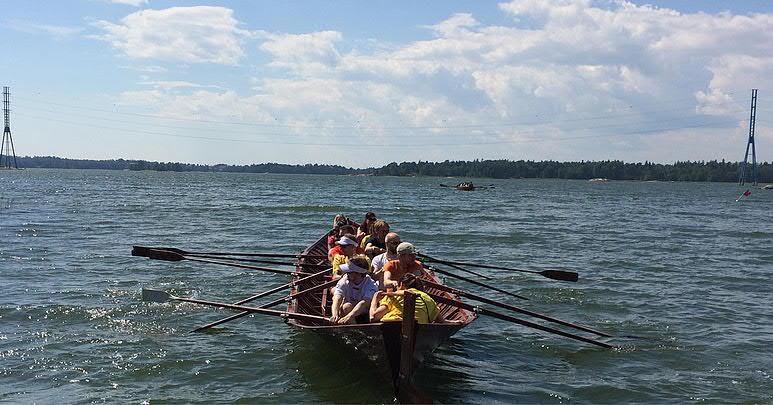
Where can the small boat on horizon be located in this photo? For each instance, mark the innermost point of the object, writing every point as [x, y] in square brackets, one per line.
[467, 186]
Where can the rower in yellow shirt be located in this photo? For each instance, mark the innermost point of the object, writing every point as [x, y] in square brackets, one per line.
[388, 306]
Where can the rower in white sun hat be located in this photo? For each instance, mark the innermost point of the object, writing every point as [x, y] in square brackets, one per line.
[352, 294]
[347, 248]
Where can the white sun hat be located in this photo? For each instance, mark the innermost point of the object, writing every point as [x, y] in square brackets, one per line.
[346, 241]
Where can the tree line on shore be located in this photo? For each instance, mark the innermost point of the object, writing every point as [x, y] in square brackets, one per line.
[712, 170]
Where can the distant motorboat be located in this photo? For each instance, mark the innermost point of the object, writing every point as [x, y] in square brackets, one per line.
[768, 187]
[599, 180]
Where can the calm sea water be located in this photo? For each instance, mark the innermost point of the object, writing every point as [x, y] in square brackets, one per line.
[682, 264]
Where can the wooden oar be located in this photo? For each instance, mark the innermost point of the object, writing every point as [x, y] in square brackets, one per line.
[163, 296]
[510, 307]
[488, 312]
[478, 283]
[457, 267]
[240, 259]
[173, 256]
[184, 252]
[552, 274]
[273, 303]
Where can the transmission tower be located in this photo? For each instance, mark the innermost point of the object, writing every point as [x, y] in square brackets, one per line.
[750, 143]
[6, 148]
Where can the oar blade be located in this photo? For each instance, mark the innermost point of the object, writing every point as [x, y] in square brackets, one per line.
[168, 254]
[149, 295]
[560, 275]
[141, 251]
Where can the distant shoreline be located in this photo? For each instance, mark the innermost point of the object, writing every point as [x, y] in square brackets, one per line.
[700, 171]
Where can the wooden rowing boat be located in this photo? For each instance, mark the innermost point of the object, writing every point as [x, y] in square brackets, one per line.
[380, 342]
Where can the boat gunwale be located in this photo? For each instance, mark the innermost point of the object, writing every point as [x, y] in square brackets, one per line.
[466, 316]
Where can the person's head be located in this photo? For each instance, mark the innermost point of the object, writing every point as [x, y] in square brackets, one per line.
[369, 219]
[392, 240]
[345, 229]
[406, 253]
[356, 269]
[348, 244]
[380, 229]
[409, 280]
[339, 221]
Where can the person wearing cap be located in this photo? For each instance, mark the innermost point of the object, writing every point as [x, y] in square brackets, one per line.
[348, 248]
[406, 263]
[353, 292]
[385, 307]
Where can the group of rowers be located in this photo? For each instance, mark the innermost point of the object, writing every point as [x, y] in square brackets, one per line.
[374, 268]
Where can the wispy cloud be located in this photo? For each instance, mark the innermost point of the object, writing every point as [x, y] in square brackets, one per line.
[135, 3]
[176, 84]
[56, 31]
[145, 68]
[199, 34]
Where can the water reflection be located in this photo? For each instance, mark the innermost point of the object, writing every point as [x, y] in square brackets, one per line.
[335, 373]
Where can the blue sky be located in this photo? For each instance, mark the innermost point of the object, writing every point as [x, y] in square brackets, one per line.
[367, 83]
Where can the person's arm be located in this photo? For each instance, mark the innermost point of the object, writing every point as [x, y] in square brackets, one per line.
[336, 308]
[360, 308]
[372, 250]
[377, 311]
[388, 279]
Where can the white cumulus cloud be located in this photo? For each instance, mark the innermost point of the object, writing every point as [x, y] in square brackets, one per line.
[303, 53]
[198, 34]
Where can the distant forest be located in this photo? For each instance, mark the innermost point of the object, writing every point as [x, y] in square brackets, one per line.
[499, 169]
[51, 162]
[610, 169]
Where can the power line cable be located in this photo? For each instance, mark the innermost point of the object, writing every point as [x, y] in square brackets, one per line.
[400, 145]
[412, 135]
[365, 128]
